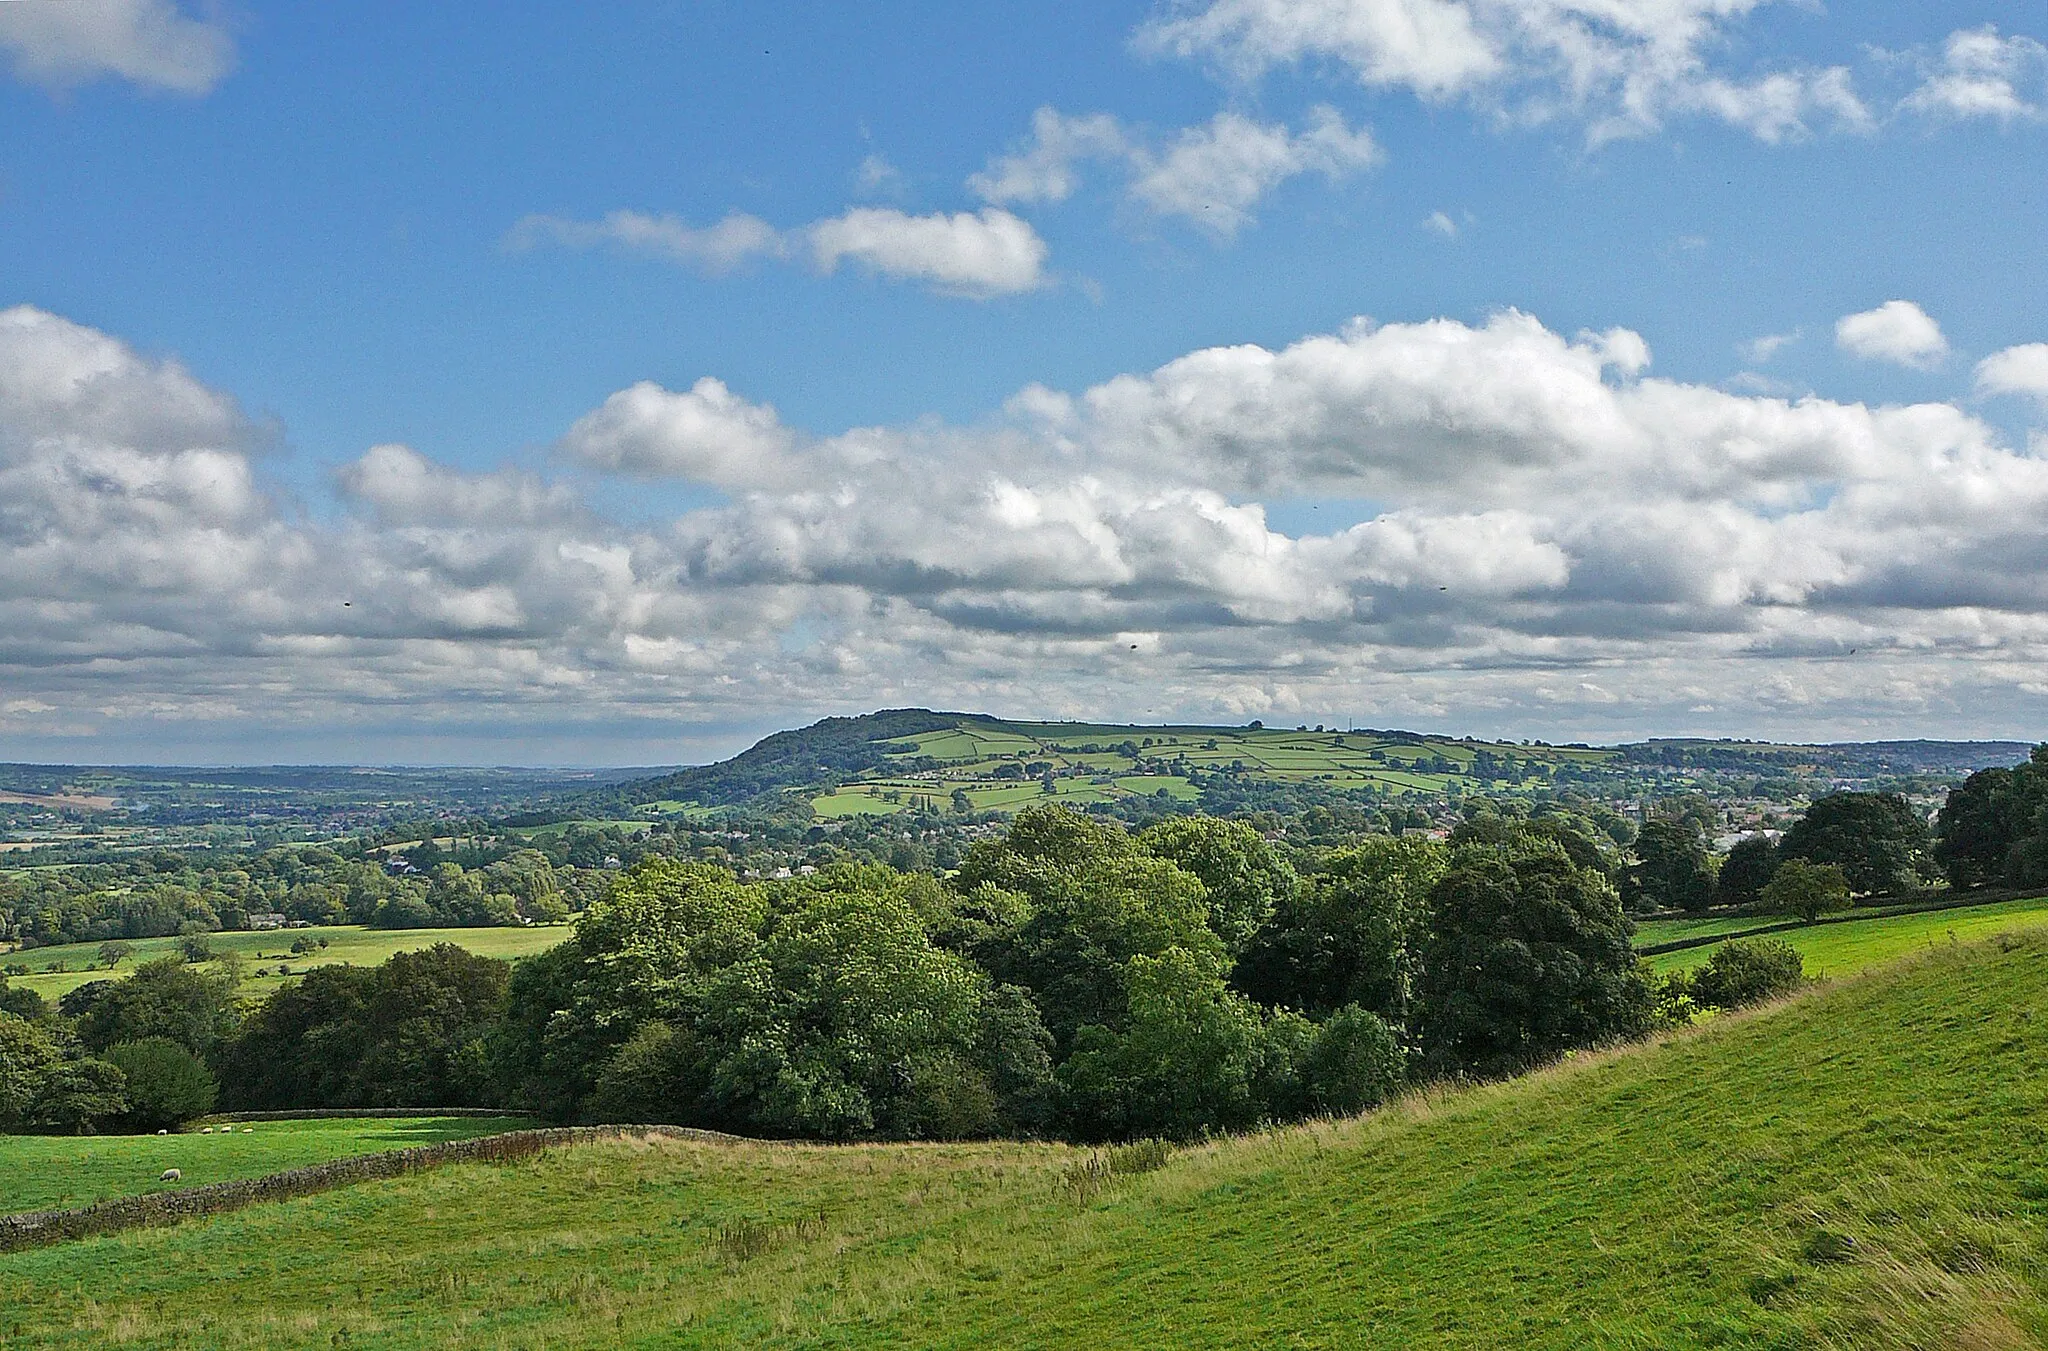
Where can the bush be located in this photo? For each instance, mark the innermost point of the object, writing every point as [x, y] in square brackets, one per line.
[1748, 971]
[166, 1084]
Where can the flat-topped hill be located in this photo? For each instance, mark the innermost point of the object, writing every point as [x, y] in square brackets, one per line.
[900, 759]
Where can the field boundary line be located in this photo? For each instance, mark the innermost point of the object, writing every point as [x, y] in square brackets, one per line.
[39, 1228]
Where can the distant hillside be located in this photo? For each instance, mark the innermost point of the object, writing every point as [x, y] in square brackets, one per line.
[827, 752]
[883, 763]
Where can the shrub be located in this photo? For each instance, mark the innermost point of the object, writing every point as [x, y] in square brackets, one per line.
[1748, 971]
[166, 1084]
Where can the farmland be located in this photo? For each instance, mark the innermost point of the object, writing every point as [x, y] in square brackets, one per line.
[1002, 766]
[1841, 1170]
[41, 1172]
[55, 971]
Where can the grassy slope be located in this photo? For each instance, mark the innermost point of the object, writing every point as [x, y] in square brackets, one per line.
[1856, 945]
[1669, 1195]
[42, 1172]
[345, 943]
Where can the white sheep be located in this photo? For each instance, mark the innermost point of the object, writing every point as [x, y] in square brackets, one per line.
[206, 1130]
[163, 1132]
[171, 1175]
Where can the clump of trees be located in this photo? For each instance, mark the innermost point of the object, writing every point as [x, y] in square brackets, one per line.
[166, 893]
[1994, 827]
[1073, 978]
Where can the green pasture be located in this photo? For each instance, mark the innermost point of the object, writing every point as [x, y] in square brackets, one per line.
[971, 753]
[348, 943]
[1859, 1168]
[48, 1172]
[1650, 932]
[1850, 946]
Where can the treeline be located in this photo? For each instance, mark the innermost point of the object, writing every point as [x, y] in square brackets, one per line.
[1994, 826]
[1072, 978]
[1844, 844]
[166, 893]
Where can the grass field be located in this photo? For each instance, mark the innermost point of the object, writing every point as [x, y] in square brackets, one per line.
[1653, 931]
[345, 943]
[43, 1172]
[1856, 945]
[1862, 1167]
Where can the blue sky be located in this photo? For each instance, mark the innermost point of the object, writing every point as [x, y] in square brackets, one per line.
[364, 226]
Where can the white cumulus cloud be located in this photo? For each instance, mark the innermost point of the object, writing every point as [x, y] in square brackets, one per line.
[1624, 67]
[977, 254]
[151, 43]
[706, 433]
[1981, 74]
[2016, 370]
[1213, 174]
[1897, 331]
[1046, 168]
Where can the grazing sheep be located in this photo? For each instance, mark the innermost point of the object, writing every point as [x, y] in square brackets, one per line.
[206, 1130]
[171, 1175]
[248, 1130]
[163, 1132]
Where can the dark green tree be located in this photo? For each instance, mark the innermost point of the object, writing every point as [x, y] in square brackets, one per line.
[1669, 868]
[163, 998]
[1528, 955]
[1748, 971]
[1348, 933]
[166, 1086]
[1181, 1062]
[1094, 900]
[1877, 839]
[1747, 870]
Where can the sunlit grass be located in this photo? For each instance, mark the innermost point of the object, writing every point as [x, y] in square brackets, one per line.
[45, 1172]
[1857, 1168]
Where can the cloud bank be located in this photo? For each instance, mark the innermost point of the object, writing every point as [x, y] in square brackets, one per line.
[1560, 542]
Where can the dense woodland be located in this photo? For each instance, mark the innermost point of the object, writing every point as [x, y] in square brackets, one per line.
[1071, 977]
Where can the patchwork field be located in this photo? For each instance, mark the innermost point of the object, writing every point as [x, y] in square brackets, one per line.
[43, 1172]
[54, 971]
[1005, 767]
[1858, 1168]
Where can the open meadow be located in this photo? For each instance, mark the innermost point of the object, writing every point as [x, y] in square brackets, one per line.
[45, 1172]
[1858, 1167]
[55, 971]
